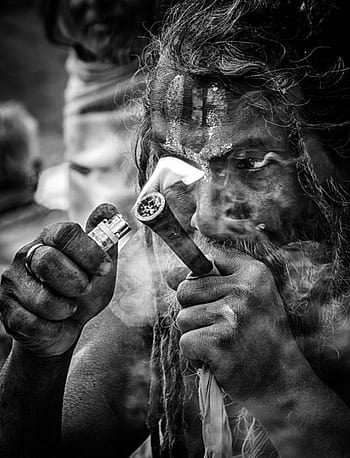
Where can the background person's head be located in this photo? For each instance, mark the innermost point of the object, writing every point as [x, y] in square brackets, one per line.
[104, 30]
[19, 149]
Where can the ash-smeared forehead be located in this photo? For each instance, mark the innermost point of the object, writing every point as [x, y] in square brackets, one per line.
[200, 119]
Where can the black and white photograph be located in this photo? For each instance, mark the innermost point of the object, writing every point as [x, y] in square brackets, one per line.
[174, 229]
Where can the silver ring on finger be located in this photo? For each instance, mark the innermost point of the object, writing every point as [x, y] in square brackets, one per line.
[29, 257]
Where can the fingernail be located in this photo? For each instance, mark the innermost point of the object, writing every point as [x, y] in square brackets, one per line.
[104, 268]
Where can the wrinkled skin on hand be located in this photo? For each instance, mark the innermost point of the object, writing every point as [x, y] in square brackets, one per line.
[237, 324]
[73, 281]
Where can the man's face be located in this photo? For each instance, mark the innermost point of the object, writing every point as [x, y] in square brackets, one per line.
[250, 189]
[101, 25]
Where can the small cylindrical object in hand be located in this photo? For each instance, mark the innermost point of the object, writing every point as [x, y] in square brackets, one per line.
[153, 211]
[109, 231]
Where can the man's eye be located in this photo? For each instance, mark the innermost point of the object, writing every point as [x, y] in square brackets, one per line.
[250, 164]
[226, 164]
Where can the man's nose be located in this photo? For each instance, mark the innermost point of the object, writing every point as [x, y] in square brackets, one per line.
[217, 210]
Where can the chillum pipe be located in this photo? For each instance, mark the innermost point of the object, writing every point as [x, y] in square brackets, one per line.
[153, 211]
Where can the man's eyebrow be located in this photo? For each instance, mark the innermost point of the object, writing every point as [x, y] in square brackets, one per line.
[163, 148]
[233, 145]
[253, 142]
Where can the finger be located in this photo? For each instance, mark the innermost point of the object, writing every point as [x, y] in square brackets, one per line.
[38, 299]
[176, 276]
[26, 327]
[35, 296]
[70, 239]
[59, 272]
[205, 344]
[203, 290]
[193, 345]
[201, 316]
[103, 211]
[44, 337]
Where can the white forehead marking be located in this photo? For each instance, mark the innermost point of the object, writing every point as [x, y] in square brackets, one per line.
[174, 112]
[209, 110]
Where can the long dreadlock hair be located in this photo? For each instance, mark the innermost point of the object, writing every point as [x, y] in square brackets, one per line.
[282, 47]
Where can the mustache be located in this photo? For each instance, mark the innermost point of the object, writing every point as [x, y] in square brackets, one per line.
[275, 257]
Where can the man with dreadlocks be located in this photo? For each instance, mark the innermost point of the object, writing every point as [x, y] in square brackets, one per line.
[255, 94]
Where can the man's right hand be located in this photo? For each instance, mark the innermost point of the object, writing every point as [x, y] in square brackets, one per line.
[72, 280]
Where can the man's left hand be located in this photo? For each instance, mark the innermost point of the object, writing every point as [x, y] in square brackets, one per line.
[236, 323]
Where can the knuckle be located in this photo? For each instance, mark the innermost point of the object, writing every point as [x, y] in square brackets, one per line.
[41, 298]
[221, 340]
[49, 307]
[60, 234]
[42, 329]
[228, 314]
[82, 285]
[63, 309]
[43, 260]
[30, 326]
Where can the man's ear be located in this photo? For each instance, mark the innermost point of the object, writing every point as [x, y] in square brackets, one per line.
[322, 165]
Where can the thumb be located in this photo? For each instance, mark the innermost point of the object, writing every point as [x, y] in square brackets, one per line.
[101, 212]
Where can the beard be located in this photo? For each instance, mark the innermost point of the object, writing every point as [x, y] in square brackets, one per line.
[303, 272]
[303, 275]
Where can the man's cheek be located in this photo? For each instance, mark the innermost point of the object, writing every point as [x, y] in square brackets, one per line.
[277, 212]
